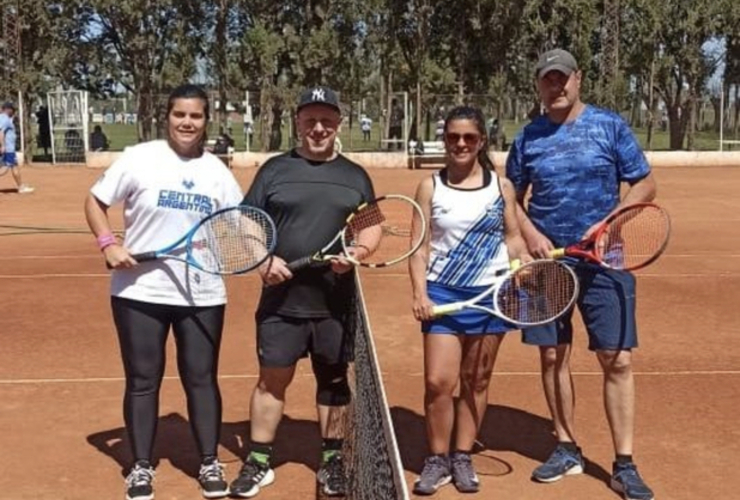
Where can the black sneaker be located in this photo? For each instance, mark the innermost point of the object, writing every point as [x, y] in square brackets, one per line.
[139, 481]
[211, 479]
[627, 481]
[331, 477]
[251, 478]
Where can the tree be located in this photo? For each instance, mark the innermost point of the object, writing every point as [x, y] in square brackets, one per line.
[145, 46]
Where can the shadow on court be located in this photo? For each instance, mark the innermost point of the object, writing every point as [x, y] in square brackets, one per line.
[503, 429]
[297, 441]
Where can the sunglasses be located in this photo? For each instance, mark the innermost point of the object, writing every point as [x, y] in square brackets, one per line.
[471, 140]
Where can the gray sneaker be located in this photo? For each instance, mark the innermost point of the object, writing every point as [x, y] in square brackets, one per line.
[436, 473]
[463, 473]
[561, 463]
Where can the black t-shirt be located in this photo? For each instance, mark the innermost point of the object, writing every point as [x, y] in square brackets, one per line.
[309, 202]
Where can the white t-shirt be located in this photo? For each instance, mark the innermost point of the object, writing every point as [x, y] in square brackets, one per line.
[467, 245]
[163, 197]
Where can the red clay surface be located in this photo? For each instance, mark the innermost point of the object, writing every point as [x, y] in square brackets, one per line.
[61, 376]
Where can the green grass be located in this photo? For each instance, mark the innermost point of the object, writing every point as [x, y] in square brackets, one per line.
[121, 135]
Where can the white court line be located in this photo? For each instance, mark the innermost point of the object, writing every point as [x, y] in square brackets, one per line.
[375, 275]
[97, 256]
[50, 257]
[84, 380]
[45, 276]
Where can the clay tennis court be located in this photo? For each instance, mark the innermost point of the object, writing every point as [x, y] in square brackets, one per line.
[61, 382]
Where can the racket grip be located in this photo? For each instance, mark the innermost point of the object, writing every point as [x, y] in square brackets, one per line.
[446, 309]
[299, 264]
[143, 257]
[557, 253]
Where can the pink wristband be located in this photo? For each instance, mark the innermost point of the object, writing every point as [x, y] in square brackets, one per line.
[106, 240]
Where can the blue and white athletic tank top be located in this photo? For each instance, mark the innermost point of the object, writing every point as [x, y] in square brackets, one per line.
[467, 245]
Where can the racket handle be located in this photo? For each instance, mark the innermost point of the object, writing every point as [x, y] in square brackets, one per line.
[299, 264]
[143, 257]
[557, 253]
[446, 309]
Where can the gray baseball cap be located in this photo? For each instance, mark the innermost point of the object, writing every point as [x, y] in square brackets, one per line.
[556, 60]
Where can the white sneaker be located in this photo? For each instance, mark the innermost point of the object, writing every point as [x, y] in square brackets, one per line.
[25, 189]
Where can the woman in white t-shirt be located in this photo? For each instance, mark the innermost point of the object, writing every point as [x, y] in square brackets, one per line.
[166, 187]
[473, 233]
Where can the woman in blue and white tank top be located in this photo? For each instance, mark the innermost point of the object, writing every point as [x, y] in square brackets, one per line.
[473, 234]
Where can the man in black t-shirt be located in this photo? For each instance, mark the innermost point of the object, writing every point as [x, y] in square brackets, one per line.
[308, 192]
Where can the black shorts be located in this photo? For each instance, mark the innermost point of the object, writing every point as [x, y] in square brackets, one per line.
[283, 340]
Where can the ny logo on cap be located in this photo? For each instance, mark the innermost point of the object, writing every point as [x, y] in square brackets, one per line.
[318, 95]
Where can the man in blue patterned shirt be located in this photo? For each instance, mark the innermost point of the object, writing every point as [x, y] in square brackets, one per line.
[573, 160]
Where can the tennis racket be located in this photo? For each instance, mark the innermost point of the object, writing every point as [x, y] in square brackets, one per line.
[229, 241]
[630, 238]
[534, 293]
[381, 226]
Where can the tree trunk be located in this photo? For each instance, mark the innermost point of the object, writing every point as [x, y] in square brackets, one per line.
[144, 118]
[735, 121]
[266, 117]
[276, 135]
[690, 128]
[675, 129]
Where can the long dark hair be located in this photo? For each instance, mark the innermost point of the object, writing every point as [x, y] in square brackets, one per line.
[476, 116]
[190, 91]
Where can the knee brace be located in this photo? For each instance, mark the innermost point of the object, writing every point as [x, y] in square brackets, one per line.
[332, 388]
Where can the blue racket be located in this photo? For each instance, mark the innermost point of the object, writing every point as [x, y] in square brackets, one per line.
[229, 241]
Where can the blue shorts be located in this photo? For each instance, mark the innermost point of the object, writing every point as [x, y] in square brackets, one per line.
[607, 305]
[10, 160]
[467, 321]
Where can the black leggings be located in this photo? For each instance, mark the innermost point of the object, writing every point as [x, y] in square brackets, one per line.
[142, 333]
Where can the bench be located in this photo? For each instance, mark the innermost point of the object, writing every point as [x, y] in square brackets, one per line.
[426, 152]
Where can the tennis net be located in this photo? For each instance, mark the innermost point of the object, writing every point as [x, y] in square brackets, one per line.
[372, 460]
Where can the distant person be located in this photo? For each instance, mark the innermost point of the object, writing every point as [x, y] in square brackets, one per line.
[224, 143]
[7, 146]
[439, 131]
[496, 136]
[366, 125]
[98, 140]
[248, 127]
[395, 131]
[44, 138]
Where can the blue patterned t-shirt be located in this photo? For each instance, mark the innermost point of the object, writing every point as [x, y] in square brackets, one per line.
[575, 170]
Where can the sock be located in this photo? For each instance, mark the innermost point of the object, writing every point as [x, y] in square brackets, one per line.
[572, 447]
[623, 459]
[260, 453]
[330, 448]
[208, 459]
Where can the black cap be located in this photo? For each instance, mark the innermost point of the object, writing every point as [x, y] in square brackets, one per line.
[556, 59]
[319, 95]
[8, 105]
